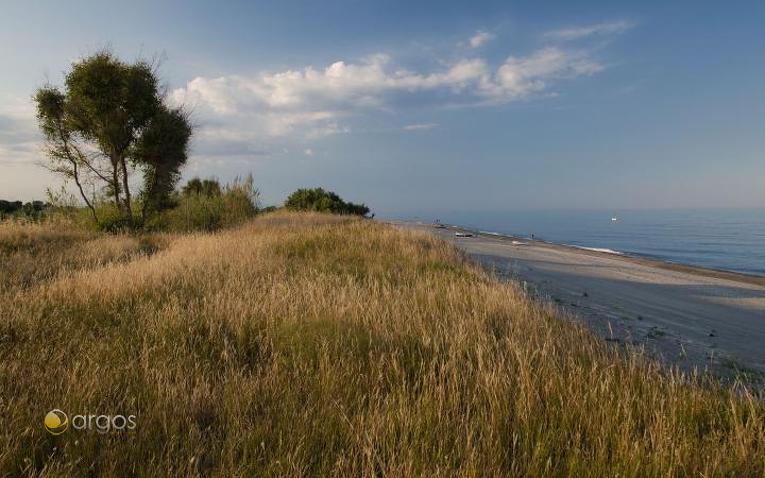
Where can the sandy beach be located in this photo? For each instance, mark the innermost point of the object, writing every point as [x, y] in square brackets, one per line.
[689, 316]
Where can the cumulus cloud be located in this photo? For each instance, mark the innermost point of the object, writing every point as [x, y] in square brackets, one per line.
[420, 126]
[575, 33]
[310, 95]
[479, 39]
[312, 102]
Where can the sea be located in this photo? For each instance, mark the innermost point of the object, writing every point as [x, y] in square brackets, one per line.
[723, 239]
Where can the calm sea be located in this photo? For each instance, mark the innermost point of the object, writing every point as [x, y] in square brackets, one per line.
[727, 239]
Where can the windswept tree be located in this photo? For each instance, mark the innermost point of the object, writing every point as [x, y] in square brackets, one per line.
[110, 121]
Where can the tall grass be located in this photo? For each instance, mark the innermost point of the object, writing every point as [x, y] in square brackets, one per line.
[35, 252]
[230, 205]
[315, 345]
[236, 203]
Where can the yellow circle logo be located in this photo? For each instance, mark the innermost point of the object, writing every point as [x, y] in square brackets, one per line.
[56, 422]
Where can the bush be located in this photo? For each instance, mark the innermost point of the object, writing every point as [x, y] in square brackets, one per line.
[209, 208]
[317, 199]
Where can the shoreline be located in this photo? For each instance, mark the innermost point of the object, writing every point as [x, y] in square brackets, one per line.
[738, 276]
[689, 316]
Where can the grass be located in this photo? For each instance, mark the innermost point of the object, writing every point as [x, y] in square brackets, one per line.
[305, 344]
[34, 253]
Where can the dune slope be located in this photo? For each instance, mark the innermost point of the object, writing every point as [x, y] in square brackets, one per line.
[314, 345]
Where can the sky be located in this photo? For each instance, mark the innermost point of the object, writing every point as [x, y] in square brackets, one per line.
[414, 107]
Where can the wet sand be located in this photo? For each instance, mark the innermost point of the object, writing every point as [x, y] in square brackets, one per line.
[689, 316]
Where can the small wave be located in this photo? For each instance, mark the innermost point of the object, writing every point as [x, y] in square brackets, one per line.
[600, 249]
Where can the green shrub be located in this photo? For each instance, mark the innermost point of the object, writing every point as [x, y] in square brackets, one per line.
[209, 208]
[317, 199]
[111, 219]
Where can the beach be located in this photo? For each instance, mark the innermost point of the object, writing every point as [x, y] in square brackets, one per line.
[687, 316]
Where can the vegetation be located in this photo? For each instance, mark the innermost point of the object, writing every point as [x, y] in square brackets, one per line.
[208, 207]
[31, 210]
[308, 344]
[109, 121]
[205, 205]
[203, 187]
[319, 200]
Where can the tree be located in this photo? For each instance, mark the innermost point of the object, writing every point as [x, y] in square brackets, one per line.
[112, 119]
[202, 187]
[317, 199]
[162, 150]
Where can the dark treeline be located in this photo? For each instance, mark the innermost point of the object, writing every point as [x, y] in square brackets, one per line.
[31, 210]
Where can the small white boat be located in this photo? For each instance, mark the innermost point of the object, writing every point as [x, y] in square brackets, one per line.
[614, 219]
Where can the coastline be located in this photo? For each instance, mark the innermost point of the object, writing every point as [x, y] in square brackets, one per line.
[637, 258]
[689, 316]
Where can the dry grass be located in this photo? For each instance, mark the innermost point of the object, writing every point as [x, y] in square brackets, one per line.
[315, 345]
[32, 253]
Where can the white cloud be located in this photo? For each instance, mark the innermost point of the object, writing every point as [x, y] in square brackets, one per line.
[575, 33]
[420, 126]
[325, 93]
[479, 39]
[308, 152]
[258, 113]
[522, 77]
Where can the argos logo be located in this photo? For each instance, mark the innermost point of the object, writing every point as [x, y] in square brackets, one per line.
[57, 422]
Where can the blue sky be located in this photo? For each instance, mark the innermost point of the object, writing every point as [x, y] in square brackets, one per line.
[430, 106]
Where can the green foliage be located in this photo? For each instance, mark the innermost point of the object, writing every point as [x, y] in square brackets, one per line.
[317, 199]
[205, 187]
[162, 149]
[111, 219]
[50, 112]
[110, 101]
[205, 206]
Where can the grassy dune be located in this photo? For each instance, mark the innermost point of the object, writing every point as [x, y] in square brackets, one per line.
[316, 345]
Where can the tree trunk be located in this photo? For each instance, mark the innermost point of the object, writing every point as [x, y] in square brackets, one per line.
[75, 172]
[126, 187]
[116, 184]
[82, 192]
